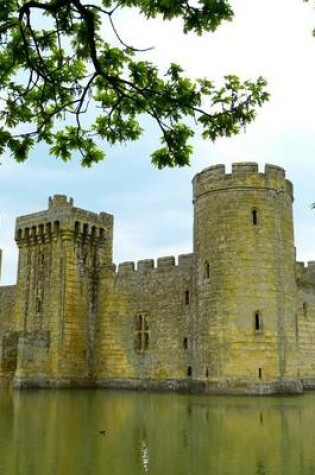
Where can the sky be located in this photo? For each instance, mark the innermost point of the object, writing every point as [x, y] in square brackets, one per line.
[153, 208]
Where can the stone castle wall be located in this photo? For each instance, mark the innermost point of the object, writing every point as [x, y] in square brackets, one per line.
[235, 316]
[146, 320]
[305, 318]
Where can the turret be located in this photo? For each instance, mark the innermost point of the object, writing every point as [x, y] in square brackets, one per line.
[245, 278]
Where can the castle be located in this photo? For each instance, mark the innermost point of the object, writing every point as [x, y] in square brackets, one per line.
[235, 316]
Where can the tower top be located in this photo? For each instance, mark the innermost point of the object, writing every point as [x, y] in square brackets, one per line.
[59, 201]
[244, 175]
[62, 215]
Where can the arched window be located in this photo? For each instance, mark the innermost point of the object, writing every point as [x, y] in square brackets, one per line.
[206, 270]
[56, 226]
[255, 216]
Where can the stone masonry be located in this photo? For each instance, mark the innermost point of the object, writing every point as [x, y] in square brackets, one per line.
[235, 316]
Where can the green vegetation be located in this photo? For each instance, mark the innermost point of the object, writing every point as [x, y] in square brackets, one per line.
[57, 67]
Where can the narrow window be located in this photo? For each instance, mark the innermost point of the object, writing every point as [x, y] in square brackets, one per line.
[142, 335]
[257, 321]
[207, 372]
[305, 309]
[77, 227]
[260, 373]
[38, 306]
[185, 343]
[189, 371]
[255, 217]
[206, 270]
[187, 297]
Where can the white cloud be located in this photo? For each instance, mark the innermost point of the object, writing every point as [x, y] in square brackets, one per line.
[153, 208]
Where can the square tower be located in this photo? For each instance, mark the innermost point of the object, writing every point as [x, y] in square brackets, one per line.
[61, 251]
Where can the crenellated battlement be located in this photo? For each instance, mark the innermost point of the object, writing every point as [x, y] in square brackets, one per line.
[244, 176]
[60, 201]
[60, 218]
[305, 273]
[162, 263]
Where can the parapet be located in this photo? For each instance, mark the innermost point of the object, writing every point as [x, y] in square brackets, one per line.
[62, 217]
[58, 201]
[163, 263]
[245, 175]
[145, 265]
[126, 267]
[166, 261]
[305, 274]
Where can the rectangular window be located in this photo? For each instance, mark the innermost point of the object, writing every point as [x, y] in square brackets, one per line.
[187, 297]
[142, 334]
[189, 371]
[185, 343]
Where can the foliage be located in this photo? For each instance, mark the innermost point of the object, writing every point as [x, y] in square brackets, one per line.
[56, 66]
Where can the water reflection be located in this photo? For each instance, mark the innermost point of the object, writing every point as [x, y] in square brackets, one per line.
[62, 432]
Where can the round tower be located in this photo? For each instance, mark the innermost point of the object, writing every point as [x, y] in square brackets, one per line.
[245, 280]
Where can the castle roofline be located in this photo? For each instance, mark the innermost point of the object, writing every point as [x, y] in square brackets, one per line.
[245, 175]
[61, 214]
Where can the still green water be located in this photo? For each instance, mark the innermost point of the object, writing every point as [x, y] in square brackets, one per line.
[58, 433]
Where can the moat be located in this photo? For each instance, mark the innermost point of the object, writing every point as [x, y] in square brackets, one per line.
[133, 433]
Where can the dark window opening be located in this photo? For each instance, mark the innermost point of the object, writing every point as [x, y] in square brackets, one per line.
[187, 297]
[185, 343]
[257, 321]
[207, 372]
[206, 270]
[142, 334]
[189, 371]
[56, 226]
[305, 309]
[255, 217]
[38, 306]
[260, 373]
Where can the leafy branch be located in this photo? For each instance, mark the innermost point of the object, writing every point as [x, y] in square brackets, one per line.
[65, 68]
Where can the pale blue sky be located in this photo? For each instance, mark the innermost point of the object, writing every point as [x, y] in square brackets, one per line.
[152, 208]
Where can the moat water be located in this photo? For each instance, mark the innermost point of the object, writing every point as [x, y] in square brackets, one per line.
[100, 432]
